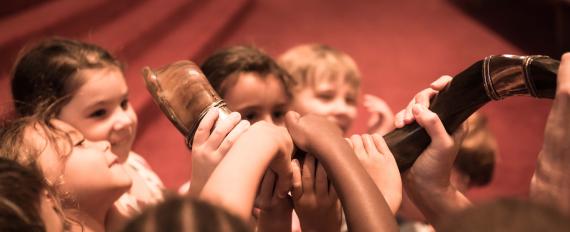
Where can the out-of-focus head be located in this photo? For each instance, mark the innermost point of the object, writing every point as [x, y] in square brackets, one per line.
[507, 215]
[85, 85]
[478, 153]
[326, 82]
[250, 82]
[186, 214]
[26, 203]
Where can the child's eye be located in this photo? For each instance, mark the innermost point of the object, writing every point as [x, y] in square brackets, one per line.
[98, 113]
[251, 117]
[325, 96]
[125, 104]
[80, 142]
[351, 100]
[278, 114]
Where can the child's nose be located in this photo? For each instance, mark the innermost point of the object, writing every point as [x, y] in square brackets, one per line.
[122, 120]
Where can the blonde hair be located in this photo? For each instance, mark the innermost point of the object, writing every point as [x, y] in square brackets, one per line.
[310, 64]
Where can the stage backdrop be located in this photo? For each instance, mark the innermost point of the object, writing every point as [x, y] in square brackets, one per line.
[400, 47]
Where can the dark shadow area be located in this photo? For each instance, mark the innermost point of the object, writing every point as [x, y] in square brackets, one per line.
[14, 7]
[534, 26]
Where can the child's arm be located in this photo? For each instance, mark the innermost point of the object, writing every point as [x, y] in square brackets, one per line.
[381, 119]
[427, 181]
[210, 146]
[234, 182]
[375, 156]
[364, 205]
[274, 211]
[551, 180]
[315, 200]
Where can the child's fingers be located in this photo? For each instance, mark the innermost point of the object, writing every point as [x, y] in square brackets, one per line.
[223, 128]
[381, 145]
[424, 97]
[321, 182]
[332, 191]
[265, 194]
[434, 127]
[358, 146]
[297, 186]
[369, 145]
[399, 119]
[205, 126]
[308, 173]
[229, 140]
[349, 142]
[408, 116]
[441, 82]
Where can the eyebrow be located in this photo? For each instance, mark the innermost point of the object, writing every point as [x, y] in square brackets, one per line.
[106, 101]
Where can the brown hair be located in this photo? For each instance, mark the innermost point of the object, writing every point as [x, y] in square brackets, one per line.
[477, 153]
[49, 71]
[309, 64]
[222, 67]
[20, 197]
[186, 214]
[16, 147]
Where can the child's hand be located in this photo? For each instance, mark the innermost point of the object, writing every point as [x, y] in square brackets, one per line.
[381, 119]
[427, 182]
[274, 212]
[315, 199]
[423, 98]
[380, 164]
[281, 161]
[209, 147]
[312, 132]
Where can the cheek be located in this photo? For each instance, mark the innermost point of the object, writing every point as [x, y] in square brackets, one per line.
[133, 117]
[308, 105]
[96, 131]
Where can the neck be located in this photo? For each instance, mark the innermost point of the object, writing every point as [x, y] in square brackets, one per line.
[83, 221]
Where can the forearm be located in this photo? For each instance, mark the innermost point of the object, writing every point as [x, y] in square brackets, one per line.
[234, 182]
[365, 207]
[435, 203]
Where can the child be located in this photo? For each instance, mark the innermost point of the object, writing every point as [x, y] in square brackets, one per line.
[87, 88]
[327, 82]
[85, 175]
[250, 82]
[253, 84]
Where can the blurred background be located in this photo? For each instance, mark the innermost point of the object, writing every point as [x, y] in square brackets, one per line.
[400, 47]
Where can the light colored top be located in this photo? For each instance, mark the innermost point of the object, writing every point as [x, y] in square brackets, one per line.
[130, 204]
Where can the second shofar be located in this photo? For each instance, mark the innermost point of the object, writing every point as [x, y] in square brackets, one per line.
[494, 78]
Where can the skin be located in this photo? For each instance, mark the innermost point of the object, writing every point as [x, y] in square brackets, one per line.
[211, 143]
[336, 100]
[316, 135]
[271, 147]
[315, 199]
[51, 214]
[258, 98]
[101, 111]
[551, 181]
[376, 158]
[90, 172]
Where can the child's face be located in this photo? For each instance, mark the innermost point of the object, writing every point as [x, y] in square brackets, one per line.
[88, 170]
[334, 99]
[101, 111]
[258, 98]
